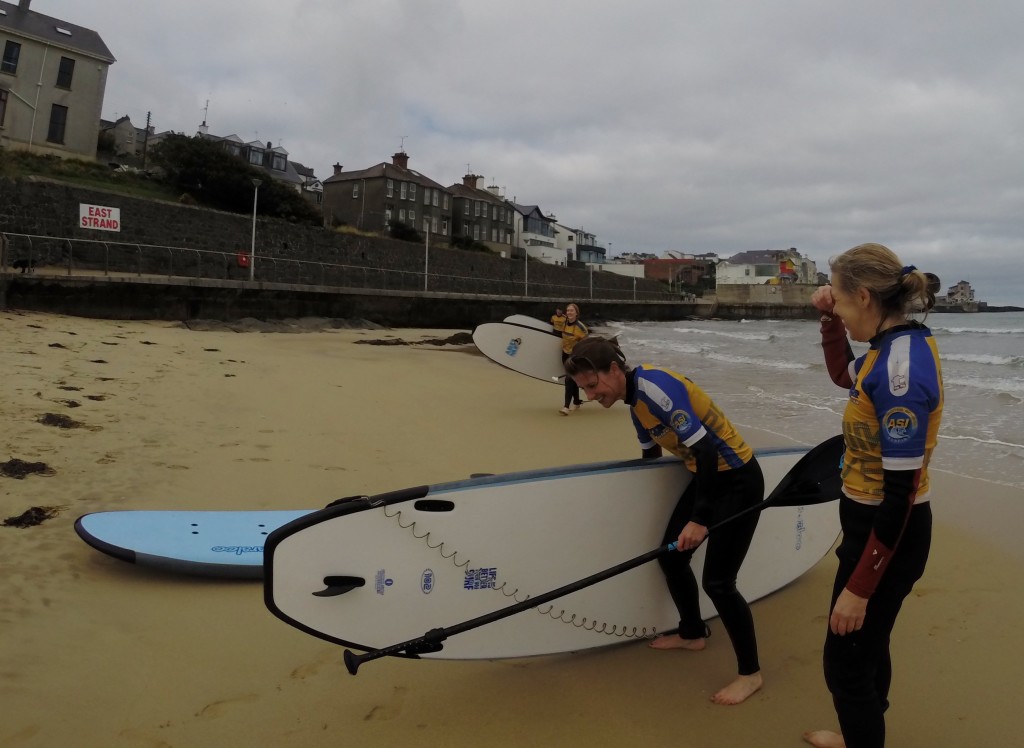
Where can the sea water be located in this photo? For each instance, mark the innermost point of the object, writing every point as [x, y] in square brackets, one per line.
[770, 375]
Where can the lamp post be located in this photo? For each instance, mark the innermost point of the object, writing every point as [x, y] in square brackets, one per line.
[252, 251]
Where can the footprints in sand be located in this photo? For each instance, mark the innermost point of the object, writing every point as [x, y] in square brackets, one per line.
[218, 708]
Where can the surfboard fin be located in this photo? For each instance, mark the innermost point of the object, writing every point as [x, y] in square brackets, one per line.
[339, 585]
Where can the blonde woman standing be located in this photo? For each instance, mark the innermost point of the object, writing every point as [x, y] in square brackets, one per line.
[890, 427]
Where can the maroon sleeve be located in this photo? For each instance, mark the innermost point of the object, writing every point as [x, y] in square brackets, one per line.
[838, 353]
[890, 521]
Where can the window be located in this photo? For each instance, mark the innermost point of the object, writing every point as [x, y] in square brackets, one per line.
[65, 72]
[3, 106]
[412, 218]
[404, 191]
[465, 228]
[446, 201]
[355, 190]
[256, 156]
[433, 224]
[412, 190]
[387, 216]
[391, 188]
[426, 225]
[12, 51]
[476, 208]
[401, 215]
[476, 232]
[426, 196]
[435, 199]
[280, 162]
[494, 212]
[494, 234]
[465, 207]
[58, 122]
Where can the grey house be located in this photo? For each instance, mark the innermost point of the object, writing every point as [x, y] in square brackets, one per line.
[53, 75]
[383, 195]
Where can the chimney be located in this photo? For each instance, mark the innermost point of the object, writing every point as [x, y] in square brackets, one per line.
[337, 168]
[23, 5]
[469, 181]
[401, 160]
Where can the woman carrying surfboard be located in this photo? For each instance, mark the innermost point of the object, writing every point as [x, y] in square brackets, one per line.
[573, 331]
[671, 412]
[890, 425]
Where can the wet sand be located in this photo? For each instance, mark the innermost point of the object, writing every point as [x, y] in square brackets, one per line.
[96, 652]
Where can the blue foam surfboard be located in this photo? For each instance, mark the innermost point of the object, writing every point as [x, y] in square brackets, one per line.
[206, 543]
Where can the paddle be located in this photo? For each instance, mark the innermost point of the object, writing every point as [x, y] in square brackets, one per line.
[814, 479]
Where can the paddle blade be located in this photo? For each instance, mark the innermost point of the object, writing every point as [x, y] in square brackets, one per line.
[814, 479]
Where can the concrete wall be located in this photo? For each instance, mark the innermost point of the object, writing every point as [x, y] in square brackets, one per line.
[783, 294]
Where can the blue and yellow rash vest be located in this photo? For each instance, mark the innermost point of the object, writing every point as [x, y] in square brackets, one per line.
[670, 410]
[892, 418]
[572, 333]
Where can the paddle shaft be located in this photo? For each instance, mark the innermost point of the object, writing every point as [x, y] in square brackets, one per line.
[801, 486]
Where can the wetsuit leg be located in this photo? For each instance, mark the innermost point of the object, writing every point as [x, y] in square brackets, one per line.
[726, 549]
[682, 584]
[858, 668]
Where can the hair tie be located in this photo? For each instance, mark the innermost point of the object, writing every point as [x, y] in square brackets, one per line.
[907, 270]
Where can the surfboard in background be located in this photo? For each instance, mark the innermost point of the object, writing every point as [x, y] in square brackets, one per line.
[371, 572]
[225, 544]
[524, 321]
[527, 350]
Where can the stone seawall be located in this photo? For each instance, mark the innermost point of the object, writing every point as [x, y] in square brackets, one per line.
[41, 220]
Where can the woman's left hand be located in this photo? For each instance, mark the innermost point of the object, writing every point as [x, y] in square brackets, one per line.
[691, 536]
[848, 613]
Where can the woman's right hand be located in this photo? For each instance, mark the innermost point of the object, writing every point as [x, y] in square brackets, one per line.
[822, 299]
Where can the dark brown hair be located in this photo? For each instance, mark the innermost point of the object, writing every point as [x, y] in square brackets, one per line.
[595, 354]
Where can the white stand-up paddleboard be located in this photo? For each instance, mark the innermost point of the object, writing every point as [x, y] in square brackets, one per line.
[523, 321]
[528, 350]
[370, 572]
[204, 543]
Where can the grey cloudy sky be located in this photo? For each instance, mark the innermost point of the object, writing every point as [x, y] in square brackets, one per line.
[654, 124]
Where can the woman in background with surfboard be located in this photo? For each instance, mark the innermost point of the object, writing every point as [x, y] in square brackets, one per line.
[573, 330]
[890, 424]
[671, 412]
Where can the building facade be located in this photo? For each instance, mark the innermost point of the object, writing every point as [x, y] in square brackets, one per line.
[53, 76]
[482, 215]
[770, 267]
[384, 195]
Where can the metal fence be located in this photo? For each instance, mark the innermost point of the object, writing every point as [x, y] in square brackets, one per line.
[72, 257]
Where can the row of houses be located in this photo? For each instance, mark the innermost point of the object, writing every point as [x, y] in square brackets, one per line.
[52, 81]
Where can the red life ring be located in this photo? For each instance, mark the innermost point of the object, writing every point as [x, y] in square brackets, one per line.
[243, 260]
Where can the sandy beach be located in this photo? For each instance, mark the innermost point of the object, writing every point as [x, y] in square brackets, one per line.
[153, 415]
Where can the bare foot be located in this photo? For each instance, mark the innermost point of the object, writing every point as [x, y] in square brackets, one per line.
[824, 739]
[675, 641]
[739, 690]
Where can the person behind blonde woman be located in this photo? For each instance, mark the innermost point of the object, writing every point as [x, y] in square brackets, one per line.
[573, 331]
[669, 411]
[890, 426]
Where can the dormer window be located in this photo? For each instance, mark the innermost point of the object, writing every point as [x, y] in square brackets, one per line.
[280, 162]
[256, 156]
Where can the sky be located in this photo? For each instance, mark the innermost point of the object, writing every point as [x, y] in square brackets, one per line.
[654, 124]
